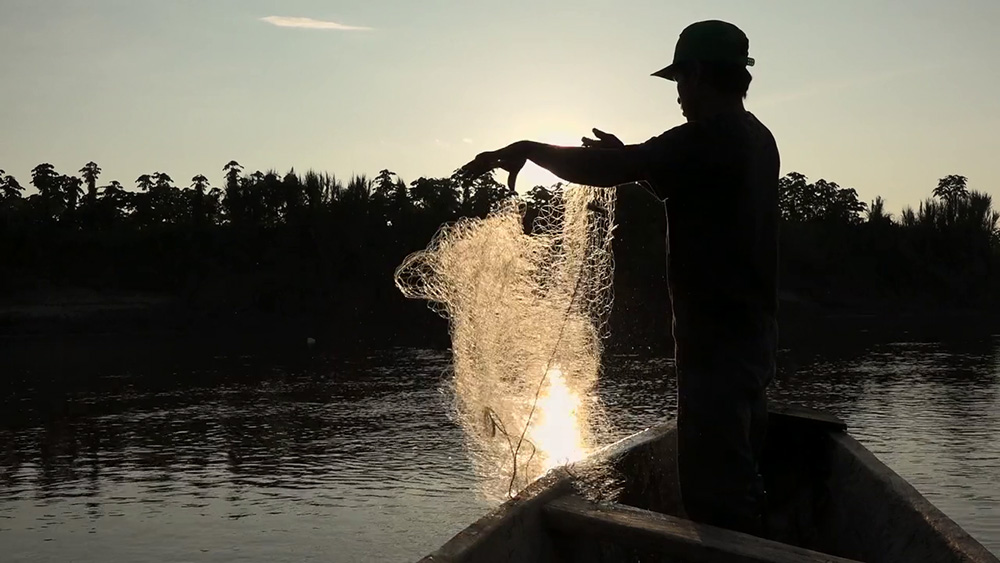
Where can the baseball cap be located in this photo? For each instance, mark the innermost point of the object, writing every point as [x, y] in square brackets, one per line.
[709, 41]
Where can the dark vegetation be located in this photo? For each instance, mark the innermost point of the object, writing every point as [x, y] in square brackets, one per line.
[310, 251]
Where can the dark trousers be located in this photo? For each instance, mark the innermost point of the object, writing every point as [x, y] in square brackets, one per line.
[721, 424]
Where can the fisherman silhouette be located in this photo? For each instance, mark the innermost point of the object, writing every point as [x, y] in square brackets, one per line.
[717, 175]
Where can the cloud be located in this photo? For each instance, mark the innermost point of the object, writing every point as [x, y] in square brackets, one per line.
[467, 141]
[309, 23]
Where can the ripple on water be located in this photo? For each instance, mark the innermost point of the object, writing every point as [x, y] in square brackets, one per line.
[257, 462]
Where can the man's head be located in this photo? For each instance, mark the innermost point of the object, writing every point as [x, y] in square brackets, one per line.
[710, 65]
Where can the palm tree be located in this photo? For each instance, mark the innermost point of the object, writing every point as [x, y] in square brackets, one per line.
[90, 173]
[72, 190]
[45, 180]
[114, 189]
[358, 190]
[9, 187]
[162, 180]
[199, 183]
[233, 201]
[877, 214]
[144, 182]
[952, 188]
[292, 188]
[233, 171]
[114, 202]
[383, 185]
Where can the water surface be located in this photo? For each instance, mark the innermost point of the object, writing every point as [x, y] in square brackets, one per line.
[162, 453]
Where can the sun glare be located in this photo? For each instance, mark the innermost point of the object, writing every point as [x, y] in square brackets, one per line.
[557, 435]
[533, 175]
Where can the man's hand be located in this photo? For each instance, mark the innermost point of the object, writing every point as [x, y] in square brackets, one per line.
[603, 141]
[510, 158]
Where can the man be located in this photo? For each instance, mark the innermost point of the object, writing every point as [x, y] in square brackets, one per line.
[718, 176]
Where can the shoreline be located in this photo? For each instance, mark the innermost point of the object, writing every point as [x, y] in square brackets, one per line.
[81, 312]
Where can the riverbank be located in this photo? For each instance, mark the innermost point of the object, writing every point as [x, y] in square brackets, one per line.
[68, 312]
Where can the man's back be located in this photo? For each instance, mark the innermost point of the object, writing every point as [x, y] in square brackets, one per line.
[723, 239]
[720, 182]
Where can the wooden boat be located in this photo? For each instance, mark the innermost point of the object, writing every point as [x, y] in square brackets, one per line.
[829, 498]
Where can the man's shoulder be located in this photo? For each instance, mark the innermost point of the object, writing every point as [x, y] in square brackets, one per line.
[718, 126]
[720, 135]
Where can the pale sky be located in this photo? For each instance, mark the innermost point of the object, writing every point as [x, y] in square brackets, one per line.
[884, 96]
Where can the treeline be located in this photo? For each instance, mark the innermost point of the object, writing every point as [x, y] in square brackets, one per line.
[313, 245]
[839, 252]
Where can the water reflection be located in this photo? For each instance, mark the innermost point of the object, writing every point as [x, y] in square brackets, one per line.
[354, 458]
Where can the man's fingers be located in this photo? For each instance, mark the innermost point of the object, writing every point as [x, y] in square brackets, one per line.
[483, 163]
[512, 167]
[607, 140]
[588, 142]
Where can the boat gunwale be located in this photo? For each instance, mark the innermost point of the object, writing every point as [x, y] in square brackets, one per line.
[558, 482]
[957, 539]
[553, 484]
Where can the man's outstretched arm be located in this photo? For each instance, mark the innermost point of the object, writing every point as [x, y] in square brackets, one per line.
[586, 166]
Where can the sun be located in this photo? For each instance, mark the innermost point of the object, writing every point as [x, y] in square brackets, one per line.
[530, 176]
[533, 175]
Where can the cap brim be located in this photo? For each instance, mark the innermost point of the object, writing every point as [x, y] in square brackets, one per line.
[670, 72]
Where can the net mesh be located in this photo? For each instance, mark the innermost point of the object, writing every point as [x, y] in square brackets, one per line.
[527, 314]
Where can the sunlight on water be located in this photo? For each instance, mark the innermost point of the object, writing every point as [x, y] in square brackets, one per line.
[558, 434]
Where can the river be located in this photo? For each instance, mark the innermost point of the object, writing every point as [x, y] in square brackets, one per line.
[167, 452]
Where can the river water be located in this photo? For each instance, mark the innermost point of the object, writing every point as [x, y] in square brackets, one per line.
[171, 452]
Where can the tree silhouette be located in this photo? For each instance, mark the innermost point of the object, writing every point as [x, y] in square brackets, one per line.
[162, 181]
[436, 197]
[9, 187]
[145, 182]
[358, 192]
[952, 188]
[383, 185]
[90, 173]
[72, 190]
[306, 244]
[485, 194]
[199, 184]
[233, 171]
[46, 180]
[877, 213]
[233, 199]
[802, 202]
[115, 203]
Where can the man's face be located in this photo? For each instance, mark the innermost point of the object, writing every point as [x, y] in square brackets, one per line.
[688, 92]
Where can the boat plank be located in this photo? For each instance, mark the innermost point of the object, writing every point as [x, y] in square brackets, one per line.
[674, 536]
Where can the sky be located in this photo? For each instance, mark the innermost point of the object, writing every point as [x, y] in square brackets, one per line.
[885, 97]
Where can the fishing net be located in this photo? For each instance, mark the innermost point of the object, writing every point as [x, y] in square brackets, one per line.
[527, 314]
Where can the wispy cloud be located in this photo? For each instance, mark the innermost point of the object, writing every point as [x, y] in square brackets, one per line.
[309, 23]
